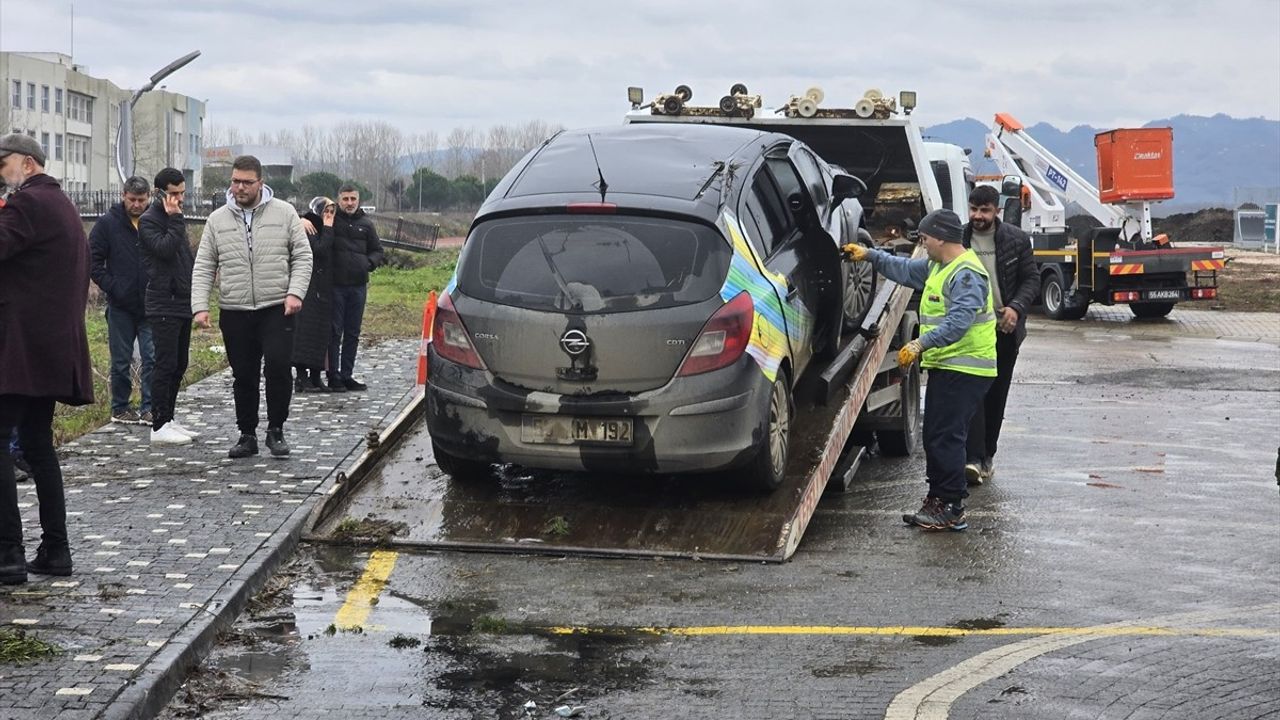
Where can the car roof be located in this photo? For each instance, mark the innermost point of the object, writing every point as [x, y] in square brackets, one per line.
[657, 167]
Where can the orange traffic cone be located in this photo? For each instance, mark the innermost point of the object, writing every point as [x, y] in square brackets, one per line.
[428, 318]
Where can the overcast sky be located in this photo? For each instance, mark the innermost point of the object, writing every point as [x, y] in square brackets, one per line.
[439, 64]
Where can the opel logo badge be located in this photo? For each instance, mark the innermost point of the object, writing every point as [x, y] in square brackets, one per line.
[574, 343]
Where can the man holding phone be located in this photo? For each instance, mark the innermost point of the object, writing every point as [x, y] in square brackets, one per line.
[166, 253]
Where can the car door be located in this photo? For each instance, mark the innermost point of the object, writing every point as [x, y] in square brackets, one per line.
[775, 197]
[817, 180]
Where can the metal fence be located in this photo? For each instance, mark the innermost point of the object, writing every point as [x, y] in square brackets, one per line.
[96, 203]
[397, 232]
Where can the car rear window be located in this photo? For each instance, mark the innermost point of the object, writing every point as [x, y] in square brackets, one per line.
[592, 264]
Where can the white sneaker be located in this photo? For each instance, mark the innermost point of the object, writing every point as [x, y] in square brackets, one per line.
[168, 435]
[189, 433]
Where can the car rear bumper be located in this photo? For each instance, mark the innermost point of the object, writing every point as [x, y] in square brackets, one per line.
[702, 423]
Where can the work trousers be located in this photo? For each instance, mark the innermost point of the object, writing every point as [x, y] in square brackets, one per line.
[950, 400]
[33, 418]
[984, 429]
[256, 339]
[172, 337]
[348, 316]
[123, 329]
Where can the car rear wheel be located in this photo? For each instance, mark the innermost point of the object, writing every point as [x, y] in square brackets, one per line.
[769, 467]
[859, 286]
[460, 468]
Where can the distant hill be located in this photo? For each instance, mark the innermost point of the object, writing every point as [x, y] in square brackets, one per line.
[1211, 155]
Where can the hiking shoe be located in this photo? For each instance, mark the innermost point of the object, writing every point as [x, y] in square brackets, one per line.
[276, 442]
[935, 514]
[51, 560]
[169, 435]
[21, 469]
[182, 429]
[354, 385]
[146, 418]
[336, 384]
[988, 470]
[973, 473]
[13, 565]
[300, 385]
[127, 417]
[247, 445]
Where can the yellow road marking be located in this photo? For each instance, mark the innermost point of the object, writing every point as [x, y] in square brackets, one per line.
[360, 600]
[907, 630]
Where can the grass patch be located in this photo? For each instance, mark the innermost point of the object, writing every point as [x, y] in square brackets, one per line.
[17, 647]
[394, 310]
[401, 642]
[557, 526]
[489, 625]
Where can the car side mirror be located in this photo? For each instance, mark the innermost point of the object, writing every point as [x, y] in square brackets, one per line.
[844, 187]
[1011, 186]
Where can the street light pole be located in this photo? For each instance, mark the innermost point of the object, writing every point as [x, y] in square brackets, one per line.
[124, 151]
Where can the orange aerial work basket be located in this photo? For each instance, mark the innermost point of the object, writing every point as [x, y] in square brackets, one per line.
[1135, 164]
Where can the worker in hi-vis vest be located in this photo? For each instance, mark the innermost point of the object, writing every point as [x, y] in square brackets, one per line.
[957, 345]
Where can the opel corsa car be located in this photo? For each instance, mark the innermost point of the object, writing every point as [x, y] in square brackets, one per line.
[643, 299]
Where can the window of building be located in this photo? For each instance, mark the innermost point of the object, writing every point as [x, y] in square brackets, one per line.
[31, 133]
[88, 109]
[57, 146]
[44, 98]
[57, 100]
[31, 96]
[44, 143]
[17, 94]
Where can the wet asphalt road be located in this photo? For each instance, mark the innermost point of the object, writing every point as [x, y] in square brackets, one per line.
[1120, 565]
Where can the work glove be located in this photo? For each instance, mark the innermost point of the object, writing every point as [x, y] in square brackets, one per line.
[855, 252]
[909, 353]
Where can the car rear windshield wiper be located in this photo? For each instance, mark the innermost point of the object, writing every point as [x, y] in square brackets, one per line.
[555, 272]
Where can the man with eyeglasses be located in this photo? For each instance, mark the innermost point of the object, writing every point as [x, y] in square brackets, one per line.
[256, 246]
[44, 354]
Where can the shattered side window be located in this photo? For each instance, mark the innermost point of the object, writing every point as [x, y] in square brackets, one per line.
[589, 264]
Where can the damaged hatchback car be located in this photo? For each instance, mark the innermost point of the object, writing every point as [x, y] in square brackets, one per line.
[643, 299]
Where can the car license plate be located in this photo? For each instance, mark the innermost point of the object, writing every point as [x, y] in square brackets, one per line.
[1164, 294]
[565, 430]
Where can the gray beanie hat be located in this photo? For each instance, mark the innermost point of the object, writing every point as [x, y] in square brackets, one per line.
[944, 225]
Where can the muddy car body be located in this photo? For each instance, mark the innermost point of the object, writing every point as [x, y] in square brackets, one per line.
[643, 299]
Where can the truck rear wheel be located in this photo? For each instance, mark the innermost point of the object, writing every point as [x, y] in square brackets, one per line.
[1057, 298]
[903, 442]
[1151, 309]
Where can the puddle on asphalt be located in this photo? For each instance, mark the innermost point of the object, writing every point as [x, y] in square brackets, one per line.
[935, 640]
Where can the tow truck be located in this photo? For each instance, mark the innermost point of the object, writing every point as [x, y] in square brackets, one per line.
[1121, 262]
[859, 400]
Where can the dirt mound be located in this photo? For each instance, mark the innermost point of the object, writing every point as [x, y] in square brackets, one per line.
[1212, 226]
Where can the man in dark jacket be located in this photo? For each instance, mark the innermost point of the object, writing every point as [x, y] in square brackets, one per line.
[356, 252]
[115, 264]
[44, 352]
[1005, 251]
[166, 252]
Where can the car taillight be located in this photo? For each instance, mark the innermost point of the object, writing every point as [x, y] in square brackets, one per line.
[450, 338]
[723, 339]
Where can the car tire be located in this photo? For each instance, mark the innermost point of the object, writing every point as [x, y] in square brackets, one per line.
[859, 282]
[768, 468]
[460, 468]
[1151, 309]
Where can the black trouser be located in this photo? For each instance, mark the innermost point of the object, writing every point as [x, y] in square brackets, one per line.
[348, 316]
[256, 338]
[171, 337]
[984, 429]
[950, 400]
[33, 417]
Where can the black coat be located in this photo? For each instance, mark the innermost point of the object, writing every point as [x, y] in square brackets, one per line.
[44, 285]
[356, 248]
[115, 261]
[312, 328]
[166, 253]
[1015, 271]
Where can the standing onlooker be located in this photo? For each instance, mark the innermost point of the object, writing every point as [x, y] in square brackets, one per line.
[315, 321]
[356, 252]
[44, 352]
[255, 244]
[115, 264]
[166, 251]
[1005, 251]
[957, 345]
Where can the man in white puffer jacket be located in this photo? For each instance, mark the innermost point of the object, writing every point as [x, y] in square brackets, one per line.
[256, 245]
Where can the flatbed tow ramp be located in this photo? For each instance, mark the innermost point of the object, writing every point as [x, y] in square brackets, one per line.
[394, 491]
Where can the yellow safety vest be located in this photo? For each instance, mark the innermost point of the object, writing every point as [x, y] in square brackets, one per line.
[975, 353]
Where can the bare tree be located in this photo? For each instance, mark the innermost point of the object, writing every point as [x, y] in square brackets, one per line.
[458, 147]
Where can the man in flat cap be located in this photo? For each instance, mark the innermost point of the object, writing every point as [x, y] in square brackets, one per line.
[957, 345]
[44, 353]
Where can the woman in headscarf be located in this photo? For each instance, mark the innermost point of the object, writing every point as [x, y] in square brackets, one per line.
[314, 323]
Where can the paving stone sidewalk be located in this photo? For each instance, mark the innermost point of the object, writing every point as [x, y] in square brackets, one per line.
[166, 541]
